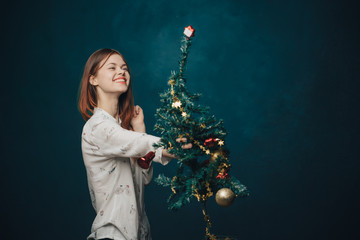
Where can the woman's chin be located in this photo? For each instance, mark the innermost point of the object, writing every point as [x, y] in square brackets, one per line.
[121, 91]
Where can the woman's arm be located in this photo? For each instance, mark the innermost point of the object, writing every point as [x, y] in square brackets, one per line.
[109, 139]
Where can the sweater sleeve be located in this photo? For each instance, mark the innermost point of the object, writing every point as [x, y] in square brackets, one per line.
[112, 140]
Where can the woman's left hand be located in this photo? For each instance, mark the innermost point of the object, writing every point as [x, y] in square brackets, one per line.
[184, 146]
[137, 122]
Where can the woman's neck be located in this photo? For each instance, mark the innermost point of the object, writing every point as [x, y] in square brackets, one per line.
[110, 105]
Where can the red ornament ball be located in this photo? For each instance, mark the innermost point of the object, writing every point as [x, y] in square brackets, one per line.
[144, 162]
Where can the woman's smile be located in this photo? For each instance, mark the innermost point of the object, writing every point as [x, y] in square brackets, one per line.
[120, 80]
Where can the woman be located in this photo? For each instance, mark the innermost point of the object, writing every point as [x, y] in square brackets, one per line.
[113, 138]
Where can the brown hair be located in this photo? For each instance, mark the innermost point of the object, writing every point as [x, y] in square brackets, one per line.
[87, 92]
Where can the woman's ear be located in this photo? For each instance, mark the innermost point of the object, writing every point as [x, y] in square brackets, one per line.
[93, 81]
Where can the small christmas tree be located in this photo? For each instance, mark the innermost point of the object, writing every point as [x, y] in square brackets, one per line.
[203, 169]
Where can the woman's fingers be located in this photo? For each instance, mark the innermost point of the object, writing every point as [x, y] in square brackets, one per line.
[184, 146]
[137, 110]
[187, 146]
[181, 139]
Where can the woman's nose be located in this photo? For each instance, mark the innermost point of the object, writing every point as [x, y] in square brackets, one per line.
[121, 72]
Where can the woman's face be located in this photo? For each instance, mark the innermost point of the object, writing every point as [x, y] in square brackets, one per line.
[112, 77]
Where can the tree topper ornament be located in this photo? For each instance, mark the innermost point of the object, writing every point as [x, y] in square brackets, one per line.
[189, 31]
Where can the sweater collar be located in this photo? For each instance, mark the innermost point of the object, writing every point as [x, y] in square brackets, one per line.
[102, 111]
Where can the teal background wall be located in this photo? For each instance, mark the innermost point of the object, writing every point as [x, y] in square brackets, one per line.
[283, 75]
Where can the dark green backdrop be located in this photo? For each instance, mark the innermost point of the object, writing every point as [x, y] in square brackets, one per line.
[284, 76]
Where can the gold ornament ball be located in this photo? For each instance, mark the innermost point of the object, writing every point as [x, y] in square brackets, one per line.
[225, 197]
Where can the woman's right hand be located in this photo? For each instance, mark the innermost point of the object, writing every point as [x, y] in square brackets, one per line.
[137, 122]
[184, 146]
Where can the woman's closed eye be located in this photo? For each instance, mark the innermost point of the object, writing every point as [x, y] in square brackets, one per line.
[124, 69]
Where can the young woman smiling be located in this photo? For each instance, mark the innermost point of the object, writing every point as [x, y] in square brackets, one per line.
[113, 137]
